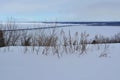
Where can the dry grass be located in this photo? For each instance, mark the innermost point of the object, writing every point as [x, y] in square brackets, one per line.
[53, 41]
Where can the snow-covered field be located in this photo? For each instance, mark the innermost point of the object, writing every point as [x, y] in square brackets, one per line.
[106, 31]
[17, 65]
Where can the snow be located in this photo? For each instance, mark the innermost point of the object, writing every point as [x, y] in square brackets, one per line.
[93, 30]
[17, 65]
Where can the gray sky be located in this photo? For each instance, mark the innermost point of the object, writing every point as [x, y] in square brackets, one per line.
[62, 10]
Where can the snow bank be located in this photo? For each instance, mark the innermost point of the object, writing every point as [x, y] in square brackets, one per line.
[17, 65]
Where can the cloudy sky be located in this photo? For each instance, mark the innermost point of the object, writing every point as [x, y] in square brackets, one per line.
[60, 10]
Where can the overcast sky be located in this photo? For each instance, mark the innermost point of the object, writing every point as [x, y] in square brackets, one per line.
[61, 10]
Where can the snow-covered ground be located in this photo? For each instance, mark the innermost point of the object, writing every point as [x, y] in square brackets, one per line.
[17, 65]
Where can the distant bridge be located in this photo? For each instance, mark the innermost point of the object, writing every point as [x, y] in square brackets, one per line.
[50, 27]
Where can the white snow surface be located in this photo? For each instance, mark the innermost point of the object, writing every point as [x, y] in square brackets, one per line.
[17, 65]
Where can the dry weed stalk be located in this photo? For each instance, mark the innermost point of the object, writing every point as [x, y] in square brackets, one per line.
[83, 42]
